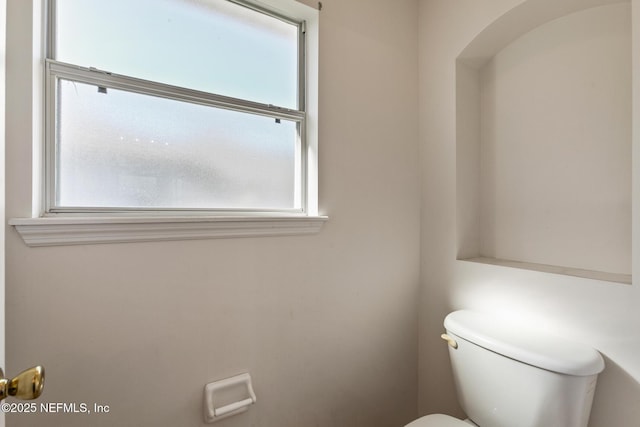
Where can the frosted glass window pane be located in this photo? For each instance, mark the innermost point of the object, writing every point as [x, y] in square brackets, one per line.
[122, 149]
[210, 45]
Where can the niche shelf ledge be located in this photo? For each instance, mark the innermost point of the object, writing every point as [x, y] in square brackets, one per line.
[554, 269]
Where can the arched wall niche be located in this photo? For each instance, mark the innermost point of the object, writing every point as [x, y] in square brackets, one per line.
[543, 140]
[529, 14]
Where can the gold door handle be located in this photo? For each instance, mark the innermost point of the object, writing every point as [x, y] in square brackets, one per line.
[26, 385]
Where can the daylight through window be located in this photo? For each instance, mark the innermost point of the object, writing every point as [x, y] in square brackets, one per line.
[174, 105]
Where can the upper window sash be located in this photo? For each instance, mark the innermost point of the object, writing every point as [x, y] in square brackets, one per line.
[155, 53]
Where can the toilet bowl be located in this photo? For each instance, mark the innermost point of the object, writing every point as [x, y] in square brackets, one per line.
[440, 420]
[507, 375]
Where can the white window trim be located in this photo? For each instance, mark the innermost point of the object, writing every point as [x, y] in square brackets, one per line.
[40, 230]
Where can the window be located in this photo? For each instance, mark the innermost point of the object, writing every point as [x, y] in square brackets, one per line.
[173, 120]
[174, 106]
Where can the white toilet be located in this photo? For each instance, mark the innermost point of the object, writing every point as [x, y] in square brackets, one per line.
[508, 377]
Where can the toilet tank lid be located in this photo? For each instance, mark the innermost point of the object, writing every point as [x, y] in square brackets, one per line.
[525, 344]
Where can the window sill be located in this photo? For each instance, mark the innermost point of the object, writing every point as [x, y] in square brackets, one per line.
[59, 231]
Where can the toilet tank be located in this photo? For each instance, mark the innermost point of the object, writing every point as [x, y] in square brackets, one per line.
[507, 376]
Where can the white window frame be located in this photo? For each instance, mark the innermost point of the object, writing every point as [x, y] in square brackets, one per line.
[49, 226]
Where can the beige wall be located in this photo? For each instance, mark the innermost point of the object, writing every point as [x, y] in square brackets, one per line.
[326, 324]
[602, 314]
